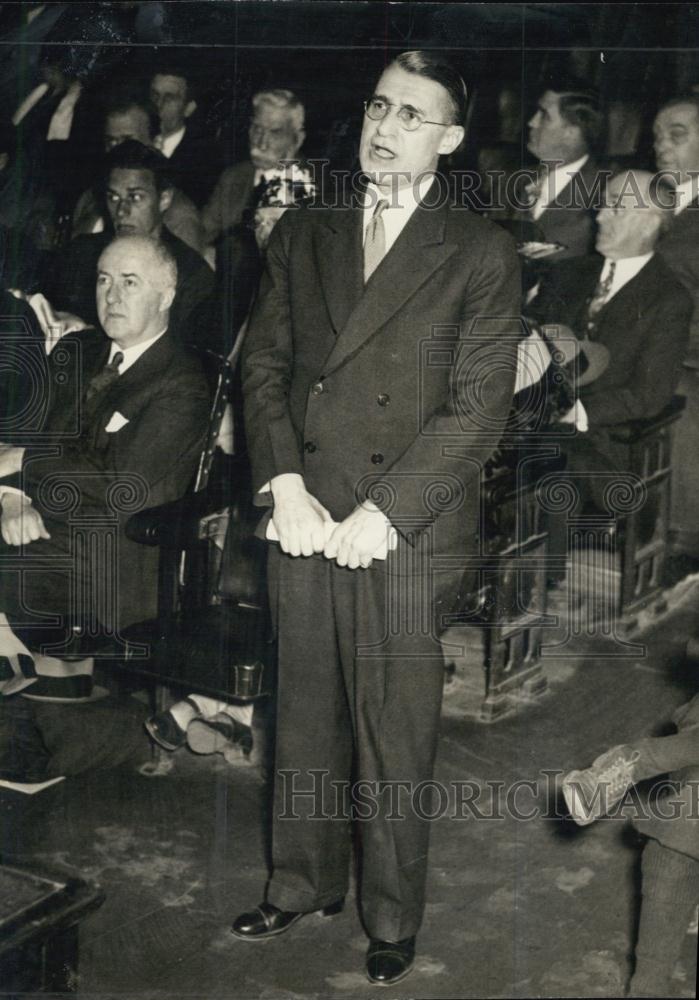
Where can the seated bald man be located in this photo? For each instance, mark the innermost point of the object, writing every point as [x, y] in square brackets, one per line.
[632, 315]
[124, 430]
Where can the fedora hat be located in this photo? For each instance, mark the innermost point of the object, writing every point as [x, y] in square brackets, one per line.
[585, 359]
[52, 680]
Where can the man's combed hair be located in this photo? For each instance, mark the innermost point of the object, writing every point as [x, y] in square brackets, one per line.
[434, 66]
[133, 155]
[686, 98]
[579, 105]
[123, 99]
[282, 100]
[164, 262]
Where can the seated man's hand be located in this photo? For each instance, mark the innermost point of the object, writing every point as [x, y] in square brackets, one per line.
[355, 541]
[19, 522]
[10, 460]
[298, 517]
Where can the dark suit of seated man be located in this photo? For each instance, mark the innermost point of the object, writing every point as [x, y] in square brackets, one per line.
[124, 432]
[139, 192]
[627, 304]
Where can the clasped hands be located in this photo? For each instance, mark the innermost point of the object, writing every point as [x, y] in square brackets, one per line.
[300, 521]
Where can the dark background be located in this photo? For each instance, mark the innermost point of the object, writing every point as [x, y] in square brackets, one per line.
[330, 53]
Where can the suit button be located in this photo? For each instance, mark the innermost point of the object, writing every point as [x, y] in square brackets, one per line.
[317, 388]
[377, 458]
[383, 399]
[309, 447]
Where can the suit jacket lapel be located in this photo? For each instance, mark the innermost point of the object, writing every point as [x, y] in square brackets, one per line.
[631, 299]
[417, 253]
[339, 261]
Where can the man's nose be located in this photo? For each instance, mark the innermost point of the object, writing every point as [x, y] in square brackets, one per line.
[534, 120]
[123, 209]
[111, 295]
[388, 125]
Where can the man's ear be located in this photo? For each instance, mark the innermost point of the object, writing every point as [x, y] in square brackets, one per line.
[190, 108]
[166, 299]
[298, 142]
[452, 139]
[165, 199]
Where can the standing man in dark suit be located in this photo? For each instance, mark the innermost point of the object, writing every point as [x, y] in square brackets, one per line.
[133, 411]
[138, 193]
[563, 134]
[676, 139]
[627, 303]
[368, 444]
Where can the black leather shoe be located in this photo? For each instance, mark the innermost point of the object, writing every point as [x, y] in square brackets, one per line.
[387, 962]
[266, 920]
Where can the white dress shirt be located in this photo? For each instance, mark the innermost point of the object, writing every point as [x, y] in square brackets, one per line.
[132, 354]
[626, 269]
[402, 202]
[685, 194]
[168, 144]
[557, 179]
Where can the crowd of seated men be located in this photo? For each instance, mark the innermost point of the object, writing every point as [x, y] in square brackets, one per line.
[610, 260]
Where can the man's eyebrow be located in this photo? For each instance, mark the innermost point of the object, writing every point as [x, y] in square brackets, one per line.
[408, 107]
[129, 274]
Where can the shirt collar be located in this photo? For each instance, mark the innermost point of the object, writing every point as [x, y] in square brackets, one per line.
[169, 143]
[685, 194]
[626, 269]
[570, 168]
[400, 199]
[132, 354]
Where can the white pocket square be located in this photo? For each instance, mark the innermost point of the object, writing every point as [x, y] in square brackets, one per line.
[116, 422]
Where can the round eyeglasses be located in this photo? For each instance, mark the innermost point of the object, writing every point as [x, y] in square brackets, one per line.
[376, 109]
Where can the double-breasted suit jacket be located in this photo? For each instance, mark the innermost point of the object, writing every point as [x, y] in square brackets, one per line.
[397, 390]
[135, 446]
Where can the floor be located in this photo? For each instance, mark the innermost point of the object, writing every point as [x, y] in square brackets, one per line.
[518, 907]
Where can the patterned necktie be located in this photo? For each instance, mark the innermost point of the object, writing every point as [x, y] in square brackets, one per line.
[102, 380]
[375, 241]
[599, 296]
[535, 189]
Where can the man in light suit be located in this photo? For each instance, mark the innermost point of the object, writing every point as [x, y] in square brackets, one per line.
[379, 370]
[676, 142]
[276, 133]
[133, 410]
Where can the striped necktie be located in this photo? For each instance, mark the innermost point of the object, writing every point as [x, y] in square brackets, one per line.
[599, 296]
[375, 241]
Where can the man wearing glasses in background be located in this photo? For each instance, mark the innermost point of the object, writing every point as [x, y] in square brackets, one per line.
[367, 445]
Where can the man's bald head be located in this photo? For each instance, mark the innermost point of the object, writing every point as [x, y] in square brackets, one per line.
[636, 211]
[136, 283]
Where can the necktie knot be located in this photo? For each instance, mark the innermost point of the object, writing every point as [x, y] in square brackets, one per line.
[375, 240]
[103, 379]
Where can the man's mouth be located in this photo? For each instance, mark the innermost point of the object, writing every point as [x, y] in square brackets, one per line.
[382, 152]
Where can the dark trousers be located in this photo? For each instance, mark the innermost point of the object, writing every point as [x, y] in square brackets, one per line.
[359, 698]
